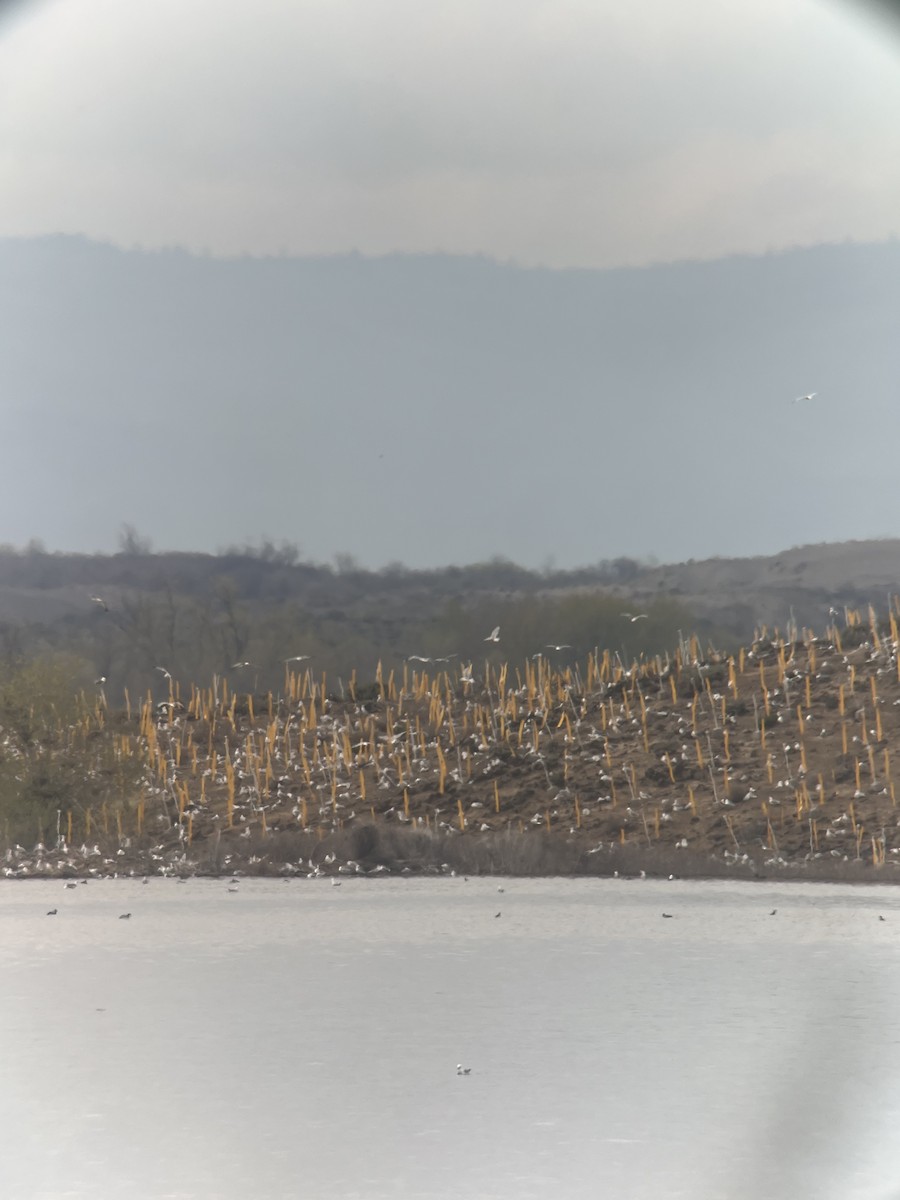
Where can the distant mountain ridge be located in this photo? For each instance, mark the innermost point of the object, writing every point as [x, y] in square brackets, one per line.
[735, 594]
[432, 409]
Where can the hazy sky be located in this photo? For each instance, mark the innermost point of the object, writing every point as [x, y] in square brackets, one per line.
[561, 132]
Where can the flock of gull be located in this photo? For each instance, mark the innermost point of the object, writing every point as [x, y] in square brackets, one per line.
[779, 753]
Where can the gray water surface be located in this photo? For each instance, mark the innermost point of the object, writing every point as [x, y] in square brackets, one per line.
[301, 1040]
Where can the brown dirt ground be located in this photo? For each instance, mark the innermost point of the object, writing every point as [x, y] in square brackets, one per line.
[776, 761]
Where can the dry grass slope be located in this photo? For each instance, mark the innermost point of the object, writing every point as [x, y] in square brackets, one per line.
[777, 760]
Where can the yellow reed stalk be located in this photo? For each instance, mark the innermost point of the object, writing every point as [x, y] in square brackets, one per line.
[673, 689]
[229, 782]
[871, 753]
[770, 768]
[808, 693]
[460, 814]
[879, 734]
[669, 766]
[700, 760]
[262, 820]
[762, 737]
[304, 812]
[843, 737]
[727, 751]
[858, 784]
[496, 797]
[803, 766]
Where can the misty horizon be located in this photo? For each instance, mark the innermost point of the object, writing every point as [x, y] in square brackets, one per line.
[439, 409]
[434, 285]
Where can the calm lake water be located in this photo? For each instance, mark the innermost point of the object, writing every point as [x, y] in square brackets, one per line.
[301, 1040]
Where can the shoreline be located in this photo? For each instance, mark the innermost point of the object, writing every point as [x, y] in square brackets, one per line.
[481, 858]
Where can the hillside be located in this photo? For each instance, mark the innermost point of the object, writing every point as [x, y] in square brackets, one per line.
[778, 760]
[197, 614]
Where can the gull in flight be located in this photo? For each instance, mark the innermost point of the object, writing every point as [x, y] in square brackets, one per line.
[164, 672]
[237, 665]
[494, 635]
[461, 1070]
[564, 646]
[632, 617]
[99, 600]
[800, 399]
[293, 658]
